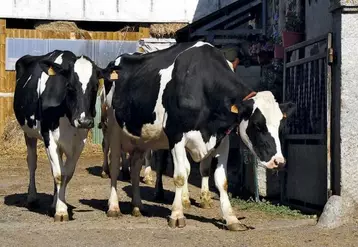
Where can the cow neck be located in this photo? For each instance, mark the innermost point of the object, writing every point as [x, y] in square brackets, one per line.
[235, 125]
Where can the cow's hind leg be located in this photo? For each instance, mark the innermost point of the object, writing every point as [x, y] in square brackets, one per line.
[181, 162]
[31, 144]
[105, 149]
[205, 196]
[125, 167]
[136, 161]
[222, 152]
[160, 159]
[148, 178]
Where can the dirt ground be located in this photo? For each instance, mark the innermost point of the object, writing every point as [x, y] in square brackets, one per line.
[88, 192]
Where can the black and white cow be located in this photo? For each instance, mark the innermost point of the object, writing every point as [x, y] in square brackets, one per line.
[183, 98]
[54, 101]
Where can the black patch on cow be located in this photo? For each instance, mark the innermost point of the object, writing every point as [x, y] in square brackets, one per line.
[263, 143]
[136, 90]
[200, 94]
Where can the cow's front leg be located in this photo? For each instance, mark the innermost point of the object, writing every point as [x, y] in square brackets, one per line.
[115, 155]
[55, 157]
[31, 144]
[222, 152]
[185, 195]
[205, 196]
[180, 161]
[148, 178]
[136, 161]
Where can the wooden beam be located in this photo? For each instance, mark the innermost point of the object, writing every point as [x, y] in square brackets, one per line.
[226, 17]
[234, 32]
[237, 21]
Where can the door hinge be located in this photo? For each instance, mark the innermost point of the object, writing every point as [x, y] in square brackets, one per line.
[330, 55]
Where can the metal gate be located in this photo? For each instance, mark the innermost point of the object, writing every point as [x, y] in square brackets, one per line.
[307, 82]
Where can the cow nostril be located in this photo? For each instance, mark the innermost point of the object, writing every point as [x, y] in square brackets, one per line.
[86, 123]
[279, 164]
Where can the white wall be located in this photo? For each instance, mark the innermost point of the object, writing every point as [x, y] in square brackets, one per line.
[111, 10]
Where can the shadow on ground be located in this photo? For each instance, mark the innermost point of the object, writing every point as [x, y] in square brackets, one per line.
[41, 206]
[126, 208]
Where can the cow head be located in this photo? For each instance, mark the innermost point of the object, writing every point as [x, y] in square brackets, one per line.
[81, 77]
[261, 119]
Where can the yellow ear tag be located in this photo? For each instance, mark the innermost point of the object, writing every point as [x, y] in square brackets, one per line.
[234, 109]
[114, 75]
[51, 71]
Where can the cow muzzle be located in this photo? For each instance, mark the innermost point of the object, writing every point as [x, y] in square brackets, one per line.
[276, 163]
[84, 123]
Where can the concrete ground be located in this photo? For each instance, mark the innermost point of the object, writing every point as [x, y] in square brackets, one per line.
[88, 193]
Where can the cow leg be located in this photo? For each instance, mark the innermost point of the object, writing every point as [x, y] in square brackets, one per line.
[222, 152]
[181, 162]
[205, 196]
[105, 149]
[125, 166]
[136, 161]
[185, 195]
[55, 157]
[161, 159]
[115, 154]
[31, 144]
[148, 178]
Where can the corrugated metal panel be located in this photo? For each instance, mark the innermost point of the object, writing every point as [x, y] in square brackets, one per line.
[108, 50]
[16, 48]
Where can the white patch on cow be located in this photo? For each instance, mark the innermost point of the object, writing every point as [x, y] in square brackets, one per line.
[82, 115]
[266, 102]
[32, 117]
[117, 61]
[83, 68]
[197, 147]
[201, 43]
[165, 77]
[59, 59]
[230, 65]
[28, 79]
[41, 84]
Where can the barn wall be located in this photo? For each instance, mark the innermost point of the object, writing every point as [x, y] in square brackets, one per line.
[111, 10]
[7, 78]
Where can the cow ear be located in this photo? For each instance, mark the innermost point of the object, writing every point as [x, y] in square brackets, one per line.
[287, 109]
[243, 109]
[51, 68]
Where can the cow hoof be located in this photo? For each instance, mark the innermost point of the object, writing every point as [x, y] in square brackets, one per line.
[206, 204]
[136, 212]
[236, 227]
[173, 223]
[181, 222]
[104, 175]
[112, 213]
[148, 180]
[186, 204]
[61, 218]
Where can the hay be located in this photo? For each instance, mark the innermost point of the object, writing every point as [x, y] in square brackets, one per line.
[62, 26]
[12, 142]
[165, 30]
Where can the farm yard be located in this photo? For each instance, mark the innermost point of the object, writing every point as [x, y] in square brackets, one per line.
[88, 193]
[269, 225]
[253, 103]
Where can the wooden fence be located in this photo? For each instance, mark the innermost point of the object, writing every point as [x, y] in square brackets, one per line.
[7, 78]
